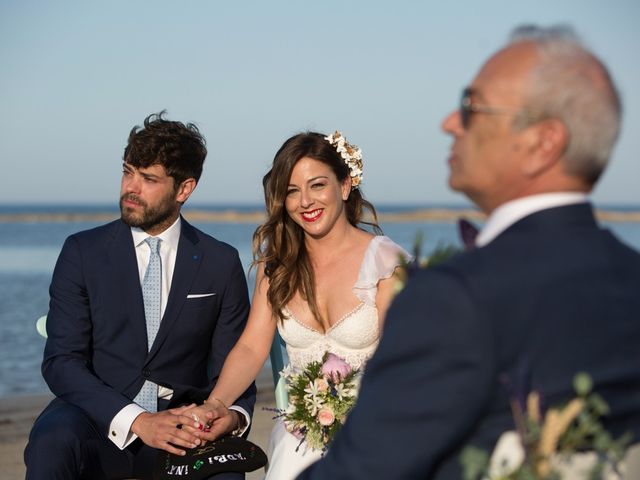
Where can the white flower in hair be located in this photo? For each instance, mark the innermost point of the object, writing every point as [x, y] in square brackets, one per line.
[351, 155]
[335, 138]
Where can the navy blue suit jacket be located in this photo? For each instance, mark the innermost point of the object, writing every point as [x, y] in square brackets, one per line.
[96, 353]
[551, 296]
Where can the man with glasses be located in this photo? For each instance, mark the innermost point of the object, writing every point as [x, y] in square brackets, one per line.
[546, 294]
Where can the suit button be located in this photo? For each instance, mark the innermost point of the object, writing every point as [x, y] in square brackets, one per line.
[146, 373]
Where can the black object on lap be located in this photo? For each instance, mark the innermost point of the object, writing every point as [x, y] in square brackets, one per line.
[227, 454]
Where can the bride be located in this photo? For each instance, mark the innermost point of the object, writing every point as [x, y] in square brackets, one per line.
[322, 281]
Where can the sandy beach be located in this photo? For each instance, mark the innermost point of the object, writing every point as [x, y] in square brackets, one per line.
[18, 413]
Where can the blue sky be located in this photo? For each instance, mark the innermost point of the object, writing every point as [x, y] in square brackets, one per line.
[78, 75]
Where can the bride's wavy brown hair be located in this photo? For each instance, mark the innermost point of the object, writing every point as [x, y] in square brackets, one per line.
[279, 242]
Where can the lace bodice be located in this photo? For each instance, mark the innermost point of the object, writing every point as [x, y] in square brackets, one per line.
[355, 336]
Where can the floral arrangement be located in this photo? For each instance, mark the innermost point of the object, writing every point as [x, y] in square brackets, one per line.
[320, 397]
[351, 155]
[564, 442]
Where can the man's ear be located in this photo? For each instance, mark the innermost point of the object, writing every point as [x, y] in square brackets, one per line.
[546, 143]
[185, 189]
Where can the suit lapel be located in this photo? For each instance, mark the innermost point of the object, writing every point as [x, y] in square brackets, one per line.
[188, 261]
[122, 258]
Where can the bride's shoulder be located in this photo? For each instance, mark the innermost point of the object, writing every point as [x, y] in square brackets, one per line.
[382, 246]
[381, 259]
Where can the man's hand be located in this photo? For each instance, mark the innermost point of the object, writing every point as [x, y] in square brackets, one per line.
[163, 430]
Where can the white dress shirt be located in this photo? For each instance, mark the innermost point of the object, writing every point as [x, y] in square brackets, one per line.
[120, 427]
[510, 212]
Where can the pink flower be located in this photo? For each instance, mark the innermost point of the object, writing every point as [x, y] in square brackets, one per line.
[295, 430]
[326, 416]
[321, 384]
[335, 368]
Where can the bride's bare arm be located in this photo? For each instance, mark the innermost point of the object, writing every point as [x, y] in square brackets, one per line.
[247, 357]
[241, 367]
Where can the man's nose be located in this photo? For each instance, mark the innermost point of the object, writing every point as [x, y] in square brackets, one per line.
[452, 123]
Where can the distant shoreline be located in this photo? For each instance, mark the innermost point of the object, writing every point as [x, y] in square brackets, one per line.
[257, 216]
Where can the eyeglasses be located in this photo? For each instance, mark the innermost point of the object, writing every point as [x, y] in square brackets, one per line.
[467, 107]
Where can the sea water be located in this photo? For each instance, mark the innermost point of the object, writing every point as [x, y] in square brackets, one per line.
[28, 252]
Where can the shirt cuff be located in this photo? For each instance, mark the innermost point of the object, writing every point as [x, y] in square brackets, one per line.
[240, 431]
[120, 427]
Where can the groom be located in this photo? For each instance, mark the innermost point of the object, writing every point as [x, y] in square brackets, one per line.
[547, 293]
[143, 312]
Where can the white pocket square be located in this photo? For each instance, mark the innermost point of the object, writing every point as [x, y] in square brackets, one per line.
[200, 295]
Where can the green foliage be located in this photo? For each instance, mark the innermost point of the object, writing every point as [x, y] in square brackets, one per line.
[438, 255]
[475, 462]
[582, 384]
[584, 433]
[409, 266]
[442, 253]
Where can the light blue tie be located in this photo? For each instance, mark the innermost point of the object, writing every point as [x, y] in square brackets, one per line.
[147, 397]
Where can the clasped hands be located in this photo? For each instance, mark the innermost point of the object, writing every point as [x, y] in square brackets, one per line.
[188, 426]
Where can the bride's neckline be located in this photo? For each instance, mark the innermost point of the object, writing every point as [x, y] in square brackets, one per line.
[292, 316]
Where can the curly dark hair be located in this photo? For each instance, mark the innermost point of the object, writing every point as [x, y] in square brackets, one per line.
[179, 148]
[279, 242]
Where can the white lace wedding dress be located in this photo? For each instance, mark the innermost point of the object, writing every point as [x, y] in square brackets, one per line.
[354, 338]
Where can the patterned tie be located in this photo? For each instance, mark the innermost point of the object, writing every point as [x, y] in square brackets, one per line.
[147, 397]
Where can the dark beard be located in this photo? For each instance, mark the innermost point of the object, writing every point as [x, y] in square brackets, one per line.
[151, 217]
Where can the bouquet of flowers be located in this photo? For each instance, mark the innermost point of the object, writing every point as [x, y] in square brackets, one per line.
[563, 442]
[320, 396]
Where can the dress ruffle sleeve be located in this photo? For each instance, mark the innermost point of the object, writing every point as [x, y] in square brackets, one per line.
[380, 260]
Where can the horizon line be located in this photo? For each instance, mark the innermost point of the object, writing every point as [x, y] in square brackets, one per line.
[257, 215]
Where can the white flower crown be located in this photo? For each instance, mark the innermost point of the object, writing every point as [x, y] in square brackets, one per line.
[351, 155]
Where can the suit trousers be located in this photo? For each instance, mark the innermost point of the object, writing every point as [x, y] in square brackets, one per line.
[65, 444]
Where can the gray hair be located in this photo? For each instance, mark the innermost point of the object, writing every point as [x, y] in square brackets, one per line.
[571, 84]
